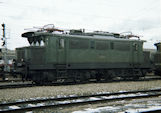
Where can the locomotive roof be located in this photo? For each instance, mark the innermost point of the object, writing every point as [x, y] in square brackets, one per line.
[107, 36]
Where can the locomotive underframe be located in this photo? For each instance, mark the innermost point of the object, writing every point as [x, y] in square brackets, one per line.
[63, 73]
[158, 69]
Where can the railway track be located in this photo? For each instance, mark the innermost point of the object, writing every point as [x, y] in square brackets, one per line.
[28, 105]
[16, 86]
[7, 85]
[3, 81]
[146, 78]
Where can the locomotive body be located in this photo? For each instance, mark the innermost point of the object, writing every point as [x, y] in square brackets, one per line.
[80, 56]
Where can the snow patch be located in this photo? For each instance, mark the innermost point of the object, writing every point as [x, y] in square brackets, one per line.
[153, 108]
[103, 92]
[29, 112]
[122, 91]
[94, 98]
[60, 96]
[63, 102]
[14, 107]
[40, 104]
[79, 100]
[31, 105]
[72, 95]
[101, 109]
[155, 88]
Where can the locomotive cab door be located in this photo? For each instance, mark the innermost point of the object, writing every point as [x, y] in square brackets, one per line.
[61, 51]
[135, 54]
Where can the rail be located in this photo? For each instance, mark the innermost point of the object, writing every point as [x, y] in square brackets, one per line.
[75, 100]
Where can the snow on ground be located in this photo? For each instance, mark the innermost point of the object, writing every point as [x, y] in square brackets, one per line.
[109, 109]
[14, 107]
[127, 108]
[29, 112]
[152, 108]
[97, 110]
[31, 105]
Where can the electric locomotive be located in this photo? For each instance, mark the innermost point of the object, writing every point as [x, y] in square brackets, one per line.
[79, 56]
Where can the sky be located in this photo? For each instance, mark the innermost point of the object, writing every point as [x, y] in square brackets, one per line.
[141, 17]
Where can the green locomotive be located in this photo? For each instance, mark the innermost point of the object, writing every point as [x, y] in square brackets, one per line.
[78, 56]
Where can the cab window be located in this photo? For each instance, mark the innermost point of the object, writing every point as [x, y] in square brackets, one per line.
[61, 43]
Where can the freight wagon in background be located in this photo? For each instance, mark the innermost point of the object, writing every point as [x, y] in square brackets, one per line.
[78, 56]
[10, 55]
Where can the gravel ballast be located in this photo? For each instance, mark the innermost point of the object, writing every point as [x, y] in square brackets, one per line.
[80, 89]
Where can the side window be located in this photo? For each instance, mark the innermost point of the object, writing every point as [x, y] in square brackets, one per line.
[92, 44]
[135, 46]
[122, 46]
[101, 45]
[61, 43]
[79, 44]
